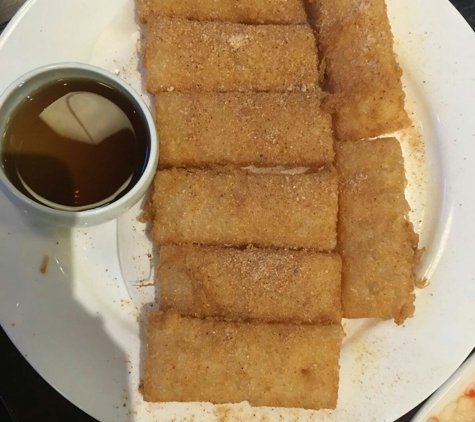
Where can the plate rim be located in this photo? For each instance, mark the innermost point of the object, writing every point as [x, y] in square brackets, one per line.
[24, 9]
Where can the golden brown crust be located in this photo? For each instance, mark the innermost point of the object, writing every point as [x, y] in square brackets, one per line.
[148, 213]
[259, 284]
[182, 55]
[262, 129]
[241, 208]
[266, 364]
[143, 9]
[242, 11]
[356, 41]
[376, 240]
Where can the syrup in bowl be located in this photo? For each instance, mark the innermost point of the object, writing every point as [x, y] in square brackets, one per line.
[75, 144]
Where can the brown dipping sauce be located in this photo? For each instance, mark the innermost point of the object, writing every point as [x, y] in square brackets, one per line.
[75, 144]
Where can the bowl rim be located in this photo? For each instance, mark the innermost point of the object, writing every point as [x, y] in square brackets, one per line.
[450, 391]
[150, 167]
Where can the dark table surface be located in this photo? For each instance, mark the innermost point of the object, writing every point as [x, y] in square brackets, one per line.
[24, 395]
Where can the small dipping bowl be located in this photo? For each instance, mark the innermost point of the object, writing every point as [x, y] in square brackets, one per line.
[19, 90]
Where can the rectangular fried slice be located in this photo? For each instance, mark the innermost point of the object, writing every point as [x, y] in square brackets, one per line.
[356, 41]
[263, 129]
[242, 11]
[182, 55]
[191, 359]
[259, 284]
[241, 208]
[376, 240]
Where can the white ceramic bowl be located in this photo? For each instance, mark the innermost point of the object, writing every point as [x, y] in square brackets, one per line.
[36, 78]
[450, 391]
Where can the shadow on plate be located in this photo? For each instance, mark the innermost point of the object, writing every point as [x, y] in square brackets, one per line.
[44, 316]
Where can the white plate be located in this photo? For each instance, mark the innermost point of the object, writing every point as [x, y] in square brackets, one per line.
[81, 324]
[452, 389]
